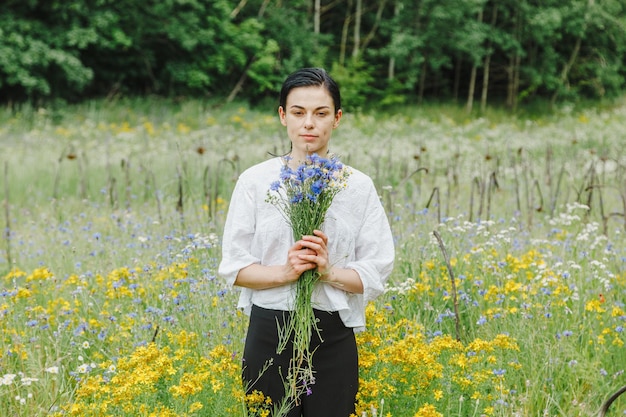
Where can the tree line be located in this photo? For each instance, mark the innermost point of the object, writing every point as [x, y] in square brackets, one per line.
[384, 51]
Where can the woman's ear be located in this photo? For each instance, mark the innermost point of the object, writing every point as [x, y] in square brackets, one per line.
[282, 116]
[337, 118]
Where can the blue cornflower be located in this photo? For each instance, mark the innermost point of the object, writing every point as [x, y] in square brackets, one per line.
[311, 172]
[275, 186]
[296, 198]
[316, 159]
[286, 173]
[299, 174]
[318, 186]
[154, 310]
[80, 329]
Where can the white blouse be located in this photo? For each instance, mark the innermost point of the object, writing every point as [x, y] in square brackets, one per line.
[359, 238]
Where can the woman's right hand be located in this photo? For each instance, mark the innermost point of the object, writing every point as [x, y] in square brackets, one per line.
[261, 277]
[297, 262]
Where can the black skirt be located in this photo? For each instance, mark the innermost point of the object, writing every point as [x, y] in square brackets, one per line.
[335, 363]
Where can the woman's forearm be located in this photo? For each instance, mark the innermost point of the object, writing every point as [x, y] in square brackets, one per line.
[260, 277]
[345, 279]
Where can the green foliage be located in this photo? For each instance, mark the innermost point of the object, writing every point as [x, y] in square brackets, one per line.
[354, 80]
[38, 63]
[72, 50]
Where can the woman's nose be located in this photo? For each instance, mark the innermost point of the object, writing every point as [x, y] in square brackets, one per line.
[308, 121]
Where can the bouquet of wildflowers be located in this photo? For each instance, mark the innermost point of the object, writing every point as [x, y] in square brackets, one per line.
[303, 196]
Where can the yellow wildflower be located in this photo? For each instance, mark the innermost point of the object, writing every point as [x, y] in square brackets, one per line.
[428, 410]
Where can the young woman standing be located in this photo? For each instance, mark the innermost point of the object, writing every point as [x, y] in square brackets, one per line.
[353, 254]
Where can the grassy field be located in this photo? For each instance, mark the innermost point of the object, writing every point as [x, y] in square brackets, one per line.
[112, 218]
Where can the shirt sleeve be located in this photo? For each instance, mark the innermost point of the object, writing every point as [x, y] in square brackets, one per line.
[374, 249]
[238, 233]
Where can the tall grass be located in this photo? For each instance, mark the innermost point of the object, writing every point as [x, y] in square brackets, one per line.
[111, 222]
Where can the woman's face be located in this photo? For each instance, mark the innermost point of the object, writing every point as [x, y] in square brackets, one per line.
[310, 118]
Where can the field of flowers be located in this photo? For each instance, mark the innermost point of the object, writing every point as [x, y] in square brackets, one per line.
[112, 217]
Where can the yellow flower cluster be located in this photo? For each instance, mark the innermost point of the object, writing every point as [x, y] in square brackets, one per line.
[399, 359]
[428, 410]
[143, 378]
[257, 404]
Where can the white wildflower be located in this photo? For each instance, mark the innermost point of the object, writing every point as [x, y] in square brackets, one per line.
[7, 379]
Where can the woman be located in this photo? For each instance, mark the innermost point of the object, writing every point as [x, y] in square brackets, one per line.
[353, 255]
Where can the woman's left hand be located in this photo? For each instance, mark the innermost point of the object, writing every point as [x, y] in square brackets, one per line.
[318, 251]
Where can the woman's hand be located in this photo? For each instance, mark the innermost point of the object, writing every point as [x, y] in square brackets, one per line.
[311, 252]
[308, 253]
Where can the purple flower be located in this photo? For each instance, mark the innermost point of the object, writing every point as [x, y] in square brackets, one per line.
[285, 173]
[298, 197]
[317, 187]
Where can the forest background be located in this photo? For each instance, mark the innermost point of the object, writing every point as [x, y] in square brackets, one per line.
[504, 52]
[497, 124]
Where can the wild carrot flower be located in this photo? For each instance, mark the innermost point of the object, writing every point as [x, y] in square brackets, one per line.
[303, 196]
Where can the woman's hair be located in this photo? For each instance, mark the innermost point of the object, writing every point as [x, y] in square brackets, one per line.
[308, 77]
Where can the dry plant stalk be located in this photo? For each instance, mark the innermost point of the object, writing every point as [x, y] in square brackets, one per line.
[432, 195]
[610, 400]
[457, 319]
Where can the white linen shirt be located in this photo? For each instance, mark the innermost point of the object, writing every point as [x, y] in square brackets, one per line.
[359, 238]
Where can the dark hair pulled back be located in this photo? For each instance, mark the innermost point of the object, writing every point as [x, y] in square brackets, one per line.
[310, 77]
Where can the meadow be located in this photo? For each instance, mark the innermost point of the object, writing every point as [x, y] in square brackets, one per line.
[506, 299]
